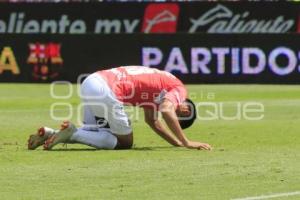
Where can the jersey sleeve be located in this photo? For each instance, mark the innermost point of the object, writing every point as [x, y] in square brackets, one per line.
[176, 95]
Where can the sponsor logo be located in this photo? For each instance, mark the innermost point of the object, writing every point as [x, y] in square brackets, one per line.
[221, 19]
[160, 18]
[8, 61]
[46, 60]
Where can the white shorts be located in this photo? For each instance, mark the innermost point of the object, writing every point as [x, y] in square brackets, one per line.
[101, 107]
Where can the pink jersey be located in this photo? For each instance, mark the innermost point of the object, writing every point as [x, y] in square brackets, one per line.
[144, 86]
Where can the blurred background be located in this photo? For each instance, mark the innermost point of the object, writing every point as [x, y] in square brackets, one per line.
[198, 41]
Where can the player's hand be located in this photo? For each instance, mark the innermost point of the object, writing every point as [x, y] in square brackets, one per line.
[179, 144]
[198, 145]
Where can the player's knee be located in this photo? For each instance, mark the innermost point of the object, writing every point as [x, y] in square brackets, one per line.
[125, 145]
[125, 142]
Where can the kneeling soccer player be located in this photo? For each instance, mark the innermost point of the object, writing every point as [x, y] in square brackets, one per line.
[106, 125]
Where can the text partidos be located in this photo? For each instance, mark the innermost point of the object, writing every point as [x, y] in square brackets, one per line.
[223, 60]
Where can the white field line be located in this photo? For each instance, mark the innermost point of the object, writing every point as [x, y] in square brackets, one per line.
[270, 196]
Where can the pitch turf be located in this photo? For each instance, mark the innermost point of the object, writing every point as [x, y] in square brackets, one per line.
[250, 158]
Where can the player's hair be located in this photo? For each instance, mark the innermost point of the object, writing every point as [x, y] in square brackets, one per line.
[188, 121]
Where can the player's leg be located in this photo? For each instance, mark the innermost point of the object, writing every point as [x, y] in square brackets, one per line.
[124, 141]
[89, 120]
[108, 111]
[100, 139]
[90, 134]
[113, 116]
[111, 121]
[92, 93]
[119, 125]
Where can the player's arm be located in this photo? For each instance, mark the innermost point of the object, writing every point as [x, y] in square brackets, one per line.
[169, 115]
[151, 119]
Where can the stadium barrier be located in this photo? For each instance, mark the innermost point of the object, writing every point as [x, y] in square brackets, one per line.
[194, 58]
[200, 42]
[143, 17]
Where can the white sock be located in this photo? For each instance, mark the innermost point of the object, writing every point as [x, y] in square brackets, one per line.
[100, 139]
[51, 131]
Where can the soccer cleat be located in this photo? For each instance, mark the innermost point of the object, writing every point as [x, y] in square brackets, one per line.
[62, 136]
[40, 137]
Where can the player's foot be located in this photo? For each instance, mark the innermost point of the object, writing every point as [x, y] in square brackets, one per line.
[62, 136]
[40, 137]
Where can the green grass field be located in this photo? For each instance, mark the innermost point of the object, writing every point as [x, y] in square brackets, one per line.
[250, 158]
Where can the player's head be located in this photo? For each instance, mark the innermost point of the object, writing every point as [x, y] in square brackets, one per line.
[186, 113]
